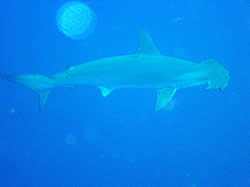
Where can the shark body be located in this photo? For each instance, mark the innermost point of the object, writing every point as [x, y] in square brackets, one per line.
[146, 68]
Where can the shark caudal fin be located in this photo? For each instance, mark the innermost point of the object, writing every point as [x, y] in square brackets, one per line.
[218, 76]
[39, 83]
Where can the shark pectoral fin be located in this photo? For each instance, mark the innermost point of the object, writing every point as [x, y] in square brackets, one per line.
[105, 91]
[163, 97]
[43, 98]
[146, 44]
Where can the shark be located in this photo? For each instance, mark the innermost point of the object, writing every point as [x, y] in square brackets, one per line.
[145, 68]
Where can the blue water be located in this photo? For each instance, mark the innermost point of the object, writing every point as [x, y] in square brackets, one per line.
[84, 140]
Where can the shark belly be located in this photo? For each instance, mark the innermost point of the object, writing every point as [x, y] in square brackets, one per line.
[189, 79]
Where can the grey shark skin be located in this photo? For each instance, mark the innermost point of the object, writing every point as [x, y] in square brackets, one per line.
[146, 68]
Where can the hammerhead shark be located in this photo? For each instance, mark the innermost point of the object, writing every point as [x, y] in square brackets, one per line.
[146, 68]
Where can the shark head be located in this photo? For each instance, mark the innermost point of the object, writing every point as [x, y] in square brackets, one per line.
[218, 76]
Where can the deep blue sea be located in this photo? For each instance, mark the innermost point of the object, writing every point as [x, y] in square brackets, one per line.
[81, 139]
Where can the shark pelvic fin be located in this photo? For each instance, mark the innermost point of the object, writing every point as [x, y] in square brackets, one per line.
[163, 97]
[146, 44]
[105, 91]
[43, 98]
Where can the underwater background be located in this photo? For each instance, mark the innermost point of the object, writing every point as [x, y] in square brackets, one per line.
[80, 139]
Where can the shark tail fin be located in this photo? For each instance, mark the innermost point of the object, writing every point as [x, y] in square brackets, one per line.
[38, 83]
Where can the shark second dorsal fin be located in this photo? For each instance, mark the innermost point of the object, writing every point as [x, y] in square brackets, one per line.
[145, 44]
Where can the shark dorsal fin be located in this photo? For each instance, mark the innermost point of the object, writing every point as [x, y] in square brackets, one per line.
[146, 44]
